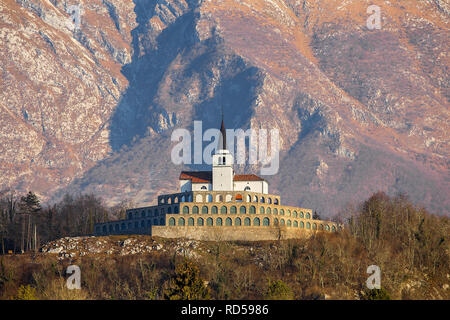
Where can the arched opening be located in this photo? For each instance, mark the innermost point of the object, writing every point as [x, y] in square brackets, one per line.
[228, 222]
[237, 222]
[242, 209]
[295, 224]
[209, 198]
[266, 222]
[219, 198]
[275, 222]
[200, 222]
[302, 224]
[214, 210]
[209, 222]
[333, 229]
[282, 212]
[314, 226]
[269, 211]
[185, 209]
[289, 213]
[276, 202]
[308, 225]
[195, 210]
[181, 222]
[269, 200]
[204, 209]
[256, 222]
[247, 188]
[275, 211]
[327, 227]
[289, 223]
[295, 214]
[255, 199]
[204, 188]
[263, 200]
[247, 222]
[308, 215]
[199, 198]
[171, 221]
[249, 198]
[190, 222]
[223, 210]
[302, 215]
[282, 222]
[219, 222]
[252, 209]
[233, 210]
[261, 210]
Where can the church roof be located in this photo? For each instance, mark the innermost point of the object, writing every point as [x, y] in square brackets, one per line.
[206, 177]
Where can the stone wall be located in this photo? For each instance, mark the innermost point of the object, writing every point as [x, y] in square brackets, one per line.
[213, 233]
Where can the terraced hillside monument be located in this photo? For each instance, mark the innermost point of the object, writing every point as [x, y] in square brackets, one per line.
[219, 205]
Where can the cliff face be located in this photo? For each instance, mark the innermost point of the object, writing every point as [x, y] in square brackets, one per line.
[92, 110]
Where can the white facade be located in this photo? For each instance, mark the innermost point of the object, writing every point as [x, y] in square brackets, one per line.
[252, 186]
[222, 171]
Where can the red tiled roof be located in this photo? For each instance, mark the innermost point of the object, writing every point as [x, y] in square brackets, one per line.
[247, 177]
[197, 176]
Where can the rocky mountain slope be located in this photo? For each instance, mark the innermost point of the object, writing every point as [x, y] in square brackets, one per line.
[92, 109]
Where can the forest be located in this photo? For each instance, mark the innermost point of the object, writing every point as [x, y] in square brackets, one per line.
[410, 246]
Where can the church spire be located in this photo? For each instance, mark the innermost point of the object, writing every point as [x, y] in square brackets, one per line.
[223, 135]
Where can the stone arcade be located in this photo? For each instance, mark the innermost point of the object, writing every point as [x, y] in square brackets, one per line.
[219, 205]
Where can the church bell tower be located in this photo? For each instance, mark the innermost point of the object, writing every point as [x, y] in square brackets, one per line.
[222, 166]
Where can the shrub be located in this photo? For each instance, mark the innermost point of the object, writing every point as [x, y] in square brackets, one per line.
[187, 284]
[278, 290]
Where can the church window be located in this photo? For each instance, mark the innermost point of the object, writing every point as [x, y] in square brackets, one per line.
[185, 209]
[233, 210]
[200, 222]
[209, 222]
[191, 222]
[247, 221]
[181, 222]
[237, 221]
[261, 210]
[214, 210]
[242, 209]
[223, 210]
[256, 222]
[219, 222]
[228, 222]
[204, 209]
[171, 221]
[266, 222]
[195, 210]
[252, 209]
